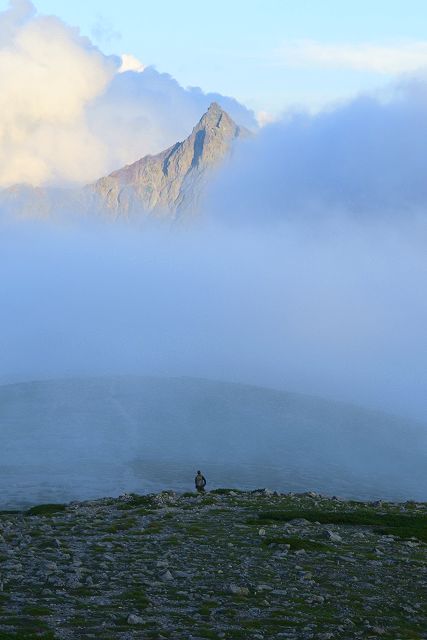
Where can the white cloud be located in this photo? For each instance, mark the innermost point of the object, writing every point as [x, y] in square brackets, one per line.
[70, 114]
[49, 74]
[130, 63]
[365, 56]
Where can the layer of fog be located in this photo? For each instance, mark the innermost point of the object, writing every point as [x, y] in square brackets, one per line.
[86, 437]
[337, 309]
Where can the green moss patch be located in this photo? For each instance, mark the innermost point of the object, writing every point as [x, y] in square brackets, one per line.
[402, 525]
[46, 510]
[296, 543]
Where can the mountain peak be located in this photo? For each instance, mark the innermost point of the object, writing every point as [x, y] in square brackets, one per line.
[214, 107]
[171, 181]
[215, 116]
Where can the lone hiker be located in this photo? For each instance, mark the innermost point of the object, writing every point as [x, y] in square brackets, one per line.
[200, 482]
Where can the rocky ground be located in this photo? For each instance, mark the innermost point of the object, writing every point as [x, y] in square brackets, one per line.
[224, 565]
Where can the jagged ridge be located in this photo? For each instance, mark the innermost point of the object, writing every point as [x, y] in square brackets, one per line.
[172, 180]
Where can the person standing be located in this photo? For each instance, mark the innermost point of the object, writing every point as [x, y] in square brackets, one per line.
[200, 482]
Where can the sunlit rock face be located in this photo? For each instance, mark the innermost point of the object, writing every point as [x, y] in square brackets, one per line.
[172, 181]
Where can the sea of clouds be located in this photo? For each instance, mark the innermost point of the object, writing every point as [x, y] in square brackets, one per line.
[306, 269]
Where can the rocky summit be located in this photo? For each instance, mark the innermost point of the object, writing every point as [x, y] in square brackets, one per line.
[227, 564]
[172, 181]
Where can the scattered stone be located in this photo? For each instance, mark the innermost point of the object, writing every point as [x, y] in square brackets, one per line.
[182, 574]
[203, 566]
[238, 591]
[167, 576]
[379, 630]
[332, 536]
[162, 563]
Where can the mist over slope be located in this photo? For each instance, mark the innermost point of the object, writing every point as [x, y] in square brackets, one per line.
[335, 310]
[91, 436]
[305, 271]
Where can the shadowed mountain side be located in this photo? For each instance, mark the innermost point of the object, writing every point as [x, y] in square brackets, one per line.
[240, 434]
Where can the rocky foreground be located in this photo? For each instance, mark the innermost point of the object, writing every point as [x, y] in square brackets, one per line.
[227, 564]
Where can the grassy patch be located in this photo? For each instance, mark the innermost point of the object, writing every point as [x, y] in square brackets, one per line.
[26, 628]
[27, 635]
[46, 510]
[195, 530]
[398, 524]
[46, 545]
[209, 634]
[206, 608]
[138, 501]
[136, 597]
[36, 610]
[122, 525]
[296, 543]
[152, 527]
[83, 591]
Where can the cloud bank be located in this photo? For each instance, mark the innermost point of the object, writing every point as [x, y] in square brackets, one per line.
[48, 75]
[367, 157]
[69, 116]
[338, 310]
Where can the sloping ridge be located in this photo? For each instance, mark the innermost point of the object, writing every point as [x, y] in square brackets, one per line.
[171, 181]
[241, 435]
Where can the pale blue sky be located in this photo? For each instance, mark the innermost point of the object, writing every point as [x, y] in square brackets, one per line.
[253, 49]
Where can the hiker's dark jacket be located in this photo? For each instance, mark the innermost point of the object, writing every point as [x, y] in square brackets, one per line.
[200, 481]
